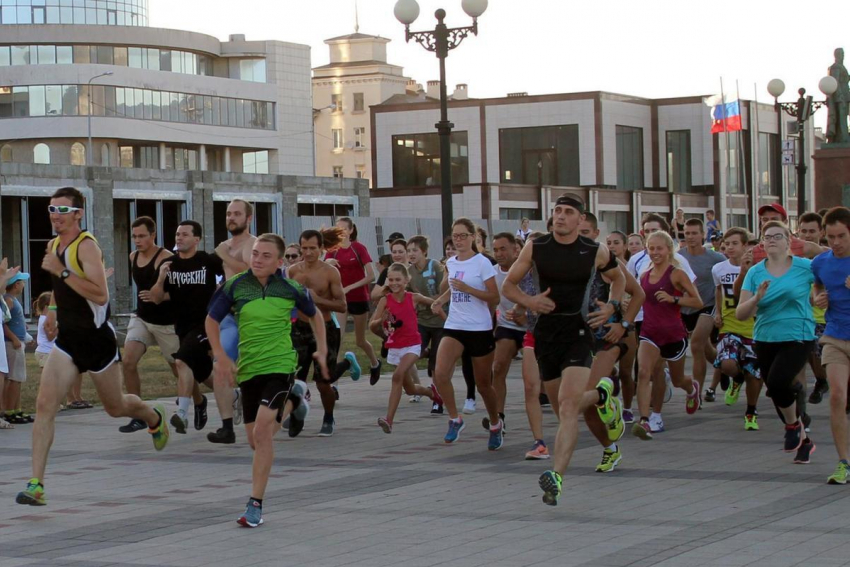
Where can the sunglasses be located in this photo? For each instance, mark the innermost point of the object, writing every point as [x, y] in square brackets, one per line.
[61, 209]
[290, 256]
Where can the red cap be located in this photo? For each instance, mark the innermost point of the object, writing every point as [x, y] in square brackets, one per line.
[776, 207]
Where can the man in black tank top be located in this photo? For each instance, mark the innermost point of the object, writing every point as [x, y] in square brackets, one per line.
[151, 323]
[85, 341]
[566, 264]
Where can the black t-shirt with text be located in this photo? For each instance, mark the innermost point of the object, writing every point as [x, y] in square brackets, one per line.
[191, 284]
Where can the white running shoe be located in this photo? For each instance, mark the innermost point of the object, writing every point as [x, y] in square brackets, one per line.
[469, 407]
[668, 382]
[656, 424]
[415, 399]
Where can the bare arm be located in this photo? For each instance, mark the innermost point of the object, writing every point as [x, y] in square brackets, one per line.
[747, 305]
[234, 265]
[92, 287]
[337, 301]
[820, 298]
[746, 264]
[684, 284]
[812, 250]
[376, 324]
[368, 278]
[718, 302]
[157, 292]
[634, 289]
[8, 334]
[490, 293]
[539, 303]
[223, 366]
[419, 299]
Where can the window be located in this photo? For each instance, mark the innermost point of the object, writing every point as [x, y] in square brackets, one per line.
[20, 55]
[64, 54]
[543, 155]
[6, 102]
[336, 102]
[679, 161]
[519, 214]
[738, 220]
[769, 180]
[337, 138]
[78, 154]
[735, 172]
[360, 171]
[41, 154]
[338, 171]
[255, 162]
[20, 101]
[359, 135]
[416, 159]
[46, 54]
[125, 156]
[615, 220]
[104, 155]
[36, 101]
[249, 70]
[359, 105]
[324, 210]
[6, 154]
[53, 100]
[5, 56]
[629, 157]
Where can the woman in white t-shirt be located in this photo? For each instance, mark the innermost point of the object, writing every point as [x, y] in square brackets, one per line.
[44, 340]
[523, 231]
[472, 291]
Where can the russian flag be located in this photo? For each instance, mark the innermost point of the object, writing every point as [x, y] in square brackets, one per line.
[725, 116]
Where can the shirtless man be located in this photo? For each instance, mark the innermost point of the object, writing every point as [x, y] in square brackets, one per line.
[325, 285]
[235, 254]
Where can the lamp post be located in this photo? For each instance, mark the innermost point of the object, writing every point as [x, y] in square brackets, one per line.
[441, 40]
[88, 91]
[802, 110]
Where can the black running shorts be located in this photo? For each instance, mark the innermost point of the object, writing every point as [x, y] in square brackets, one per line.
[195, 352]
[475, 343]
[690, 319]
[89, 350]
[670, 352]
[504, 333]
[562, 341]
[268, 390]
[304, 343]
[358, 307]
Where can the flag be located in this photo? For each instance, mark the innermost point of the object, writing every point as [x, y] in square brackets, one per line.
[725, 116]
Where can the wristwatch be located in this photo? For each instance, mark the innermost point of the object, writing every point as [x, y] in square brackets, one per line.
[626, 325]
[64, 274]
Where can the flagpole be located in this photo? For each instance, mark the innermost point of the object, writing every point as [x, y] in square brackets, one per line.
[741, 175]
[754, 121]
[725, 191]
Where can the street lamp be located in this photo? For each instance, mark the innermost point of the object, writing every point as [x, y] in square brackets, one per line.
[441, 40]
[802, 110]
[88, 90]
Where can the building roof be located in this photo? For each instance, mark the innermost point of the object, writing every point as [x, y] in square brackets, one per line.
[356, 36]
[366, 63]
[413, 99]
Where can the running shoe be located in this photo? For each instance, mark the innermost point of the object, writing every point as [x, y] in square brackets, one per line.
[733, 393]
[237, 406]
[821, 388]
[538, 452]
[327, 428]
[642, 430]
[222, 436]
[33, 495]
[842, 471]
[299, 413]
[336, 392]
[201, 416]
[628, 416]
[496, 438]
[610, 459]
[435, 395]
[550, 483]
[180, 425]
[692, 401]
[611, 413]
[656, 423]
[437, 409]
[469, 406]
[354, 370]
[793, 437]
[804, 453]
[253, 515]
[455, 427]
[751, 422]
[375, 374]
[544, 400]
[160, 434]
[385, 425]
[709, 395]
[414, 399]
[133, 426]
[485, 422]
[668, 383]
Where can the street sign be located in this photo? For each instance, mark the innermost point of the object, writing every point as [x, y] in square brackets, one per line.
[787, 158]
[788, 145]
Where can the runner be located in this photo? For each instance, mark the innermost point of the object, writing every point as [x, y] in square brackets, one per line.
[188, 280]
[777, 292]
[85, 342]
[636, 244]
[398, 254]
[810, 229]
[617, 245]
[323, 281]
[663, 335]
[735, 355]
[151, 323]
[565, 263]
[263, 301]
[468, 328]
[832, 288]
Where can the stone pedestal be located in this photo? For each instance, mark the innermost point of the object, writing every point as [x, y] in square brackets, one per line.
[832, 176]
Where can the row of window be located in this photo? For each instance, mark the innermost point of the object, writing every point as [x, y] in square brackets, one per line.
[416, 159]
[91, 12]
[339, 141]
[142, 104]
[358, 101]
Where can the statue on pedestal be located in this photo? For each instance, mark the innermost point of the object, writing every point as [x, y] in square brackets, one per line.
[836, 129]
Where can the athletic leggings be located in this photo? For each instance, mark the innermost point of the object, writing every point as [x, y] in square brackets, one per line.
[779, 364]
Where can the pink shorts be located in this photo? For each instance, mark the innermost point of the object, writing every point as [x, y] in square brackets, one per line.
[528, 340]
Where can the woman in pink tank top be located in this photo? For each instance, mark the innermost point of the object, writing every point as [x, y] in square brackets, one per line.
[662, 334]
[395, 320]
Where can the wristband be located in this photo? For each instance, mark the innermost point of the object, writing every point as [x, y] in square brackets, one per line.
[51, 308]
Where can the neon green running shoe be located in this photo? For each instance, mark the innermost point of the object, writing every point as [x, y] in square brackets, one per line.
[550, 482]
[611, 413]
[160, 434]
[610, 459]
[732, 393]
[751, 422]
[838, 477]
[33, 495]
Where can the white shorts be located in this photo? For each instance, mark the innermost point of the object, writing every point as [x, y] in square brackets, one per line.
[17, 363]
[394, 355]
[149, 334]
[41, 358]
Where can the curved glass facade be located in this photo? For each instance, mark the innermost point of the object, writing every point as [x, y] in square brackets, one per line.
[91, 12]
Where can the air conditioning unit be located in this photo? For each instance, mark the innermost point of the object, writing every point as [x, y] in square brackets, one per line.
[792, 128]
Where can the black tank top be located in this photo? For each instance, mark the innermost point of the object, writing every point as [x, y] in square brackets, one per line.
[145, 278]
[75, 313]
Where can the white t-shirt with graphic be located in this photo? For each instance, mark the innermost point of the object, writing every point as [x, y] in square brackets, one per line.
[468, 313]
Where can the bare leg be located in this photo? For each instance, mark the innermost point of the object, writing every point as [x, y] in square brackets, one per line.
[401, 372]
[626, 372]
[573, 385]
[531, 383]
[701, 347]
[450, 351]
[483, 368]
[648, 359]
[659, 384]
[56, 379]
[133, 353]
[360, 322]
[602, 366]
[506, 350]
[260, 436]
[553, 389]
[837, 375]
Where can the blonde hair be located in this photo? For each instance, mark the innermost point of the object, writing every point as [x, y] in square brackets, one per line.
[668, 242]
[40, 304]
[400, 268]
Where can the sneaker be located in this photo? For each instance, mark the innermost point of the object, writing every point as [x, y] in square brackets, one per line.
[375, 374]
[455, 427]
[807, 422]
[133, 426]
[180, 425]
[286, 422]
[692, 400]
[628, 416]
[354, 370]
[327, 428]
[437, 409]
[821, 388]
[842, 471]
[160, 434]
[201, 414]
[656, 424]
[751, 422]
[610, 459]
[336, 392]
[237, 406]
[302, 408]
[611, 413]
[253, 515]
[668, 382]
[33, 495]
[222, 436]
[485, 422]
[544, 400]
[550, 483]
[642, 430]
[709, 395]
[496, 438]
[435, 395]
[469, 407]
[804, 453]
[538, 452]
[793, 437]
[414, 399]
[385, 424]
[733, 393]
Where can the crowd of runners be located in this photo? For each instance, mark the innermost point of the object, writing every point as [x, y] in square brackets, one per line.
[603, 329]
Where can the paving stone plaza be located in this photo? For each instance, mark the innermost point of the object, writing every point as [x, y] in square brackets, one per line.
[703, 493]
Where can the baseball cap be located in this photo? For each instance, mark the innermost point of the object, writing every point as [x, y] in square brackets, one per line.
[776, 207]
[716, 236]
[395, 236]
[20, 276]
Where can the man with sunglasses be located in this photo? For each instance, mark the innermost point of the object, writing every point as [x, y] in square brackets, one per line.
[85, 342]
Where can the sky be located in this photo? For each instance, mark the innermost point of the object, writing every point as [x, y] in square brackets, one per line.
[653, 48]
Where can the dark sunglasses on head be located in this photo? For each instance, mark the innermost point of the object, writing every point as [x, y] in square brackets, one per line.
[61, 209]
